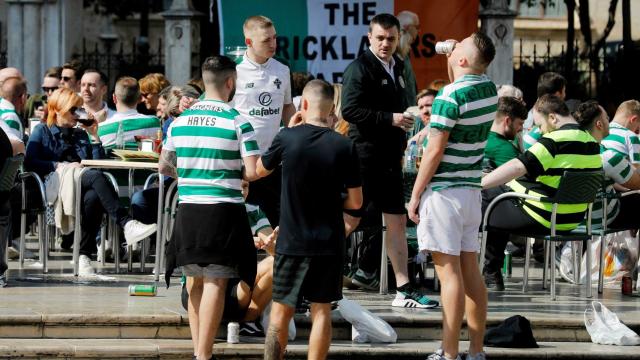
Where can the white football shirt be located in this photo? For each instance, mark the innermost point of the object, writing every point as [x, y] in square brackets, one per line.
[261, 92]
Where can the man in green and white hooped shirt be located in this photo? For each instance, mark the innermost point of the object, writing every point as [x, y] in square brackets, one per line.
[622, 132]
[210, 148]
[14, 96]
[447, 190]
[126, 96]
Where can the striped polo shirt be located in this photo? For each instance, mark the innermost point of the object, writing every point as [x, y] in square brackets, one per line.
[617, 170]
[257, 219]
[210, 139]
[10, 117]
[531, 137]
[133, 124]
[567, 148]
[466, 109]
[623, 141]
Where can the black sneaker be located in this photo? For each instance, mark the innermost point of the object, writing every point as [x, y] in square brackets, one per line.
[3, 281]
[494, 281]
[251, 329]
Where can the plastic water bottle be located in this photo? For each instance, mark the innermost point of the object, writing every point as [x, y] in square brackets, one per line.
[120, 137]
[411, 157]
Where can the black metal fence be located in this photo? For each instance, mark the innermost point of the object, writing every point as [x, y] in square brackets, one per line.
[3, 58]
[602, 77]
[135, 61]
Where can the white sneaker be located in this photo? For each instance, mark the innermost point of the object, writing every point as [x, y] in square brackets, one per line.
[85, 267]
[135, 231]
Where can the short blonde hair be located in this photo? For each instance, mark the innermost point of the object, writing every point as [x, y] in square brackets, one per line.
[629, 107]
[153, 83]
[61, 101]
[255, 22]
[341, 126]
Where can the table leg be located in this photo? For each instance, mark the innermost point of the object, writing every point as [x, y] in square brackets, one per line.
[77, 233]
[159, 238]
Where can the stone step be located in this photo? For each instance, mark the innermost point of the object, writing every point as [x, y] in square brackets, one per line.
[165, 326]
[182, 349]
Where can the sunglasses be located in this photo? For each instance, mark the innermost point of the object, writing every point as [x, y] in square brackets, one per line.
[73, 110]
[49, 89]
[67, 78]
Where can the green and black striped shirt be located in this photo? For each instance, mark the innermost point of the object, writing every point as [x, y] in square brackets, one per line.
[567, 148]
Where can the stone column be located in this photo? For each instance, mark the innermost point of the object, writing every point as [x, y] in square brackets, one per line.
[496, 21]
[182, 31]
[15, 55]
[41, 34]
[32, 44]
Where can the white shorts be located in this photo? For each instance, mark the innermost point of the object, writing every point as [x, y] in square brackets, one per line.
[450, 220]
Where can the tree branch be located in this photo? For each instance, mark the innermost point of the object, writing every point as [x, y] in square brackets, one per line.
[613, 5]
[585, 26]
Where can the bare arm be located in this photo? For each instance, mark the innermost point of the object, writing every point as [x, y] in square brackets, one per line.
[168, 163]
[438, 140]
[261, 171]
[512, 169]
[354, 198]
[17, 146]
[249, 169]
[633, 183]
[431, 159]
[287, 112]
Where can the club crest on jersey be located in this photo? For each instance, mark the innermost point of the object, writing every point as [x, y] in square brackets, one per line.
[249, 86]
[277, 83]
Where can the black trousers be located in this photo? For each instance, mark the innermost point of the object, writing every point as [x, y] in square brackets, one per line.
[98, 198]
[510, 218]
[627, 216]
[265, 193]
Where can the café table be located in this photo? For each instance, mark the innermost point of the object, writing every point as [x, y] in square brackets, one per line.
[106, 164]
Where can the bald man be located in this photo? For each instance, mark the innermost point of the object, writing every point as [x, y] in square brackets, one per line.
[13, 96]
[318, 164]
[8, 73]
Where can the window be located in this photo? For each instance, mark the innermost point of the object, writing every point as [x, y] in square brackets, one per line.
[538, 9]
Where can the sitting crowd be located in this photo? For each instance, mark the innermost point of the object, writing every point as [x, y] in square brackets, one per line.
[479, 141]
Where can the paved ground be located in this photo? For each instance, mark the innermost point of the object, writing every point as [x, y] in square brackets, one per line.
[58, 315]
[106, 293]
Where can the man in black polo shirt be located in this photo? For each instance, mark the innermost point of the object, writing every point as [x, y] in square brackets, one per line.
[318, 164]
[373, 100]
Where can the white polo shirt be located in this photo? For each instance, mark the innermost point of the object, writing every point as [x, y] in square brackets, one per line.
[261, 92]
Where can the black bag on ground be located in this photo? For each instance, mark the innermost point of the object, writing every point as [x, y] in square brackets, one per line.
[513, 332]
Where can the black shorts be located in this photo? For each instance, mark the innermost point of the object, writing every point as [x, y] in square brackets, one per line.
[318, 279]
[382, 189]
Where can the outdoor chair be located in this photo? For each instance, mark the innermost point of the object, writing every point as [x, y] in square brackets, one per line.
[43, 239]
[170, 210]
[7, 181]
[576, 187]
[605, 230]
[110, 230]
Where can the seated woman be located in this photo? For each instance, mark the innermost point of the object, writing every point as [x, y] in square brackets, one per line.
[61, 144]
